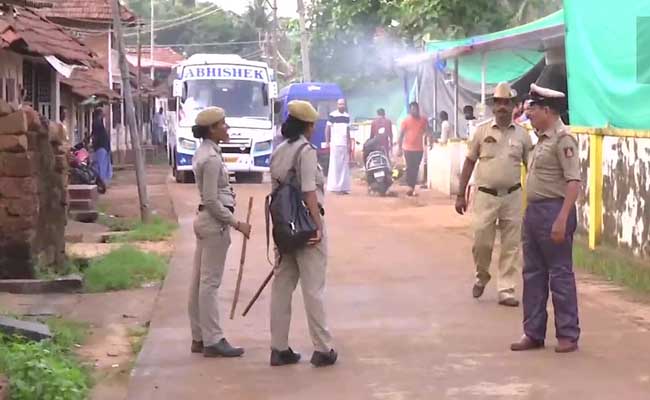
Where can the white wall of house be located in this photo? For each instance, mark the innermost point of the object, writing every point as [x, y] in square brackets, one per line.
[11, 76]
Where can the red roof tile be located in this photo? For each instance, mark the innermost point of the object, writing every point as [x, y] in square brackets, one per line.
[164, 57]
[27, 30]
[87, 11]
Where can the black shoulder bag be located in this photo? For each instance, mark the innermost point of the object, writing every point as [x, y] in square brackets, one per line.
[293, 224]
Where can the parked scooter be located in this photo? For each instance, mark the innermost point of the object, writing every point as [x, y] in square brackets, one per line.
[378, 169]
[82, 170]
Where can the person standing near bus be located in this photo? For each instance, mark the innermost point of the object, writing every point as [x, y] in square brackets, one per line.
[340, 144]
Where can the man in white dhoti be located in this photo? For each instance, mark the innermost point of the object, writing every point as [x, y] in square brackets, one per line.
[340, 144]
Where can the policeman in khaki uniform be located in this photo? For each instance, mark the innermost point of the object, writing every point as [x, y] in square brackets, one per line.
[552, 188]
[309, 264]
[499, 146]
[212, 229]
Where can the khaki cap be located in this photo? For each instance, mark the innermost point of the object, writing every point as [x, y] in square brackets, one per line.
[504, 91]
[303, 110]
[210, 116]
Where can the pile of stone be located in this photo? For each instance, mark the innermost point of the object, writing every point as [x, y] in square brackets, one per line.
[33, 180]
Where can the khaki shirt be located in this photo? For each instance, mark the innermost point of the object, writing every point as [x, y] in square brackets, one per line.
[500, 154]
[308, 172]
[214, 182]
[554, 162]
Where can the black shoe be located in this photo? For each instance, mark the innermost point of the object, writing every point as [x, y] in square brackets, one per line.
[509, 302]
[285, 357]
[222, 349]
[197, 347]
[477, 291]
[322, 359]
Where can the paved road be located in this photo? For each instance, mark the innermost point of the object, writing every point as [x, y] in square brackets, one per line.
[400, 309]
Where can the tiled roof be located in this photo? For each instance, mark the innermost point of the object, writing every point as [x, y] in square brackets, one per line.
[87, 11]
[164, 57]
[86, 84]
[26, 30]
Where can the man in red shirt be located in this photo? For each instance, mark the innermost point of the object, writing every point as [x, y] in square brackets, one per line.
[411, 144]
[382, 128]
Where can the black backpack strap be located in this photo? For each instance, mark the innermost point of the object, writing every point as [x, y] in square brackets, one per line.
[293, 172]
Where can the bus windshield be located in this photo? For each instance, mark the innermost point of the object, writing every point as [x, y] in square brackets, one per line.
[239, 98]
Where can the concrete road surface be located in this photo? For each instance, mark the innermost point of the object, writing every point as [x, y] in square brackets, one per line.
[401, 311]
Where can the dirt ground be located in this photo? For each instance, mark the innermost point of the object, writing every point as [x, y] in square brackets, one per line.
[400, 308]
[114, 316]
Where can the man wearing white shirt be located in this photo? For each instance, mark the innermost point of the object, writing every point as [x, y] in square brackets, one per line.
[338, 139]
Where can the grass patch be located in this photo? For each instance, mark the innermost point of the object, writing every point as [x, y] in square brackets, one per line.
[48, 273]
[156, 230]
[613, 266]
[68, 333]
[116, 224]
[124, 268]
[136, 337]
[46, 370]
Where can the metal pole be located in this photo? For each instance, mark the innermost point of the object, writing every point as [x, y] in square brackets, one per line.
[138, 104]
[275, 37]
[456, 97]
[436, 122]
[483, 81]
[304, 43]
[140, 172]
[152, 41]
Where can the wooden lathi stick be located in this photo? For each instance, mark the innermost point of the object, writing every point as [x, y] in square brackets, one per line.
[259, 292]
[242, 261]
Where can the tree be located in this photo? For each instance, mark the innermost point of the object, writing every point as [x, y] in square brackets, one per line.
[346, 33]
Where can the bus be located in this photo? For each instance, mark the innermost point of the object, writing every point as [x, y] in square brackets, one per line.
[245, 90]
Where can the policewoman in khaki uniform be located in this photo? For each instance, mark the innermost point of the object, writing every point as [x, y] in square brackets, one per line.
[309, 265]
[497, 149]
[550, 221]
[212, 229]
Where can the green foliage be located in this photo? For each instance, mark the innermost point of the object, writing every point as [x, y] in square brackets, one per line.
[116, 224]
[124, 268]
[42, 370]
[136, 338]
[358, 39]
[68, 333]
[613, 266]
[220, 26]
[157, 230]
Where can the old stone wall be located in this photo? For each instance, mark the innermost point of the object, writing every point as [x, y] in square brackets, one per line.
[626, 192]
[33, 180]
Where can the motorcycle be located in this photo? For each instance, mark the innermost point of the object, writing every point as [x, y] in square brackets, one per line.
[378, 172]
[82, 170]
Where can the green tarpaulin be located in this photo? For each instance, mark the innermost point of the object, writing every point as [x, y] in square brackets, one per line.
[502, 65]
[608, 62]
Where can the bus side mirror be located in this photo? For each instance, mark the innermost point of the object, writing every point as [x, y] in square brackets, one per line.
[277, 107]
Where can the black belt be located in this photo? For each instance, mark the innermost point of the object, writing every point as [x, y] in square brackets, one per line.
[498, 193]
[231, 208]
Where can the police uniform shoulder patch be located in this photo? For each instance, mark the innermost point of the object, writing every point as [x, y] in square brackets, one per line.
[569, 152]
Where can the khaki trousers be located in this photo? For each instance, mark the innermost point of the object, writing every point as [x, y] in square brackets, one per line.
[309, 265]
[212, 243]
[502, 213]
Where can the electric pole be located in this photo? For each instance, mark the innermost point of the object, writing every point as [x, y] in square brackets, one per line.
[304, 43]
[152, 42]
[275, 39]
[140, 173]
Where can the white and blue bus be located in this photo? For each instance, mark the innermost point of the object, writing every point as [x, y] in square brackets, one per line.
[245, 90]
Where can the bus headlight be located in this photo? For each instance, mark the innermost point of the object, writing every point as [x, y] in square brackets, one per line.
[187, 144]
[262, 146]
